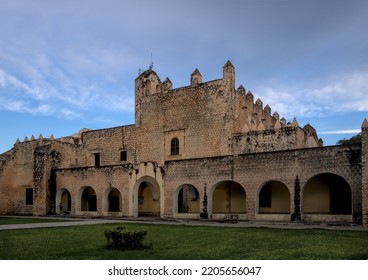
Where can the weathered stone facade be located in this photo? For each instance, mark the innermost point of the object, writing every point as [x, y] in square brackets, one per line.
[207, 139]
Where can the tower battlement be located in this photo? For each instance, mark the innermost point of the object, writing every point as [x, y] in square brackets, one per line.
[237, 108]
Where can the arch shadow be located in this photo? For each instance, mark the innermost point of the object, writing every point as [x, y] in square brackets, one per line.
[327, 194]
[227, 200]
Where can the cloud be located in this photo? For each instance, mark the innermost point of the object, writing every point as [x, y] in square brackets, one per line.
[10, 81]
[24, 106]
[81, 59]
[42, 86]
[323, 97]
[347, 131]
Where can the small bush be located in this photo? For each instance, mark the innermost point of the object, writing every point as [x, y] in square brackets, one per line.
[125, 240]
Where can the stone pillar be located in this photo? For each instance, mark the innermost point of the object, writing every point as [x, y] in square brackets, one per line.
[365, 173]
[204, 213]
[296, 215]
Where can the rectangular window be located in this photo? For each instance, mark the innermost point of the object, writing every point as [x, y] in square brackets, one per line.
[97, 159]
[29, 196]
[123, 155]
[174, 146]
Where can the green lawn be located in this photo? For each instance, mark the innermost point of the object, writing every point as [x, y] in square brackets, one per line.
[186, 242]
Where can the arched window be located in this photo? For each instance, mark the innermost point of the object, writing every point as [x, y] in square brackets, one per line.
[174, 146]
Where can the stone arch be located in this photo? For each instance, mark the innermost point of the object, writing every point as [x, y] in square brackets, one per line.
[86, 199]
[327, 193]
[273, 197]
[227, 197]
[146, 197]
[158, 88]
[186, 199]
[112, 200]
[63, 201]
[147, 87]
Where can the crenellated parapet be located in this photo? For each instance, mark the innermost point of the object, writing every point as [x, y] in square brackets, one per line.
[147, 83]
[228, 77]
[251, 115]
[251, 119]
[257, 129]
[195, 78]
[237, 111]
[167, 85]
[74, 140]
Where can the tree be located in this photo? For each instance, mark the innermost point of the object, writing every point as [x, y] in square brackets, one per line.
[357, 139]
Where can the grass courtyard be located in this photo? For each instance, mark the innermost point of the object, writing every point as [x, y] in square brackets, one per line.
[173, 242]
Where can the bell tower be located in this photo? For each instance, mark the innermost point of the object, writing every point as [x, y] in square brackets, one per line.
[146, 84]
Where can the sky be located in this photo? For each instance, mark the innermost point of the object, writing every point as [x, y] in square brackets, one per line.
[67, 65]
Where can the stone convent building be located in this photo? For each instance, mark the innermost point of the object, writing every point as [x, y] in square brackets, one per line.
[207, 150]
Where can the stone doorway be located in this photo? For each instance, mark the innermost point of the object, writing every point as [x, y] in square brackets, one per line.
[186, 202]
[327, 194]
[63, 201]
[274, 198]
[112, 200]
[148, 200]
[89, 200]
[228, 200]
[65, 205]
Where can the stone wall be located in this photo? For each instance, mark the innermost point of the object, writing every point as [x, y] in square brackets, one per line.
[109, 143]
[16, 175]
[286, 138]
[365, 171]
[29, 166]
[252, 171]
[101, 179]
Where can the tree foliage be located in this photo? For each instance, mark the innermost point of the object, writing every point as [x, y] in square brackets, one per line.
[357, 139]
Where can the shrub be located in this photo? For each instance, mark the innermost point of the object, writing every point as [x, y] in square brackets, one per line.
[121, 239]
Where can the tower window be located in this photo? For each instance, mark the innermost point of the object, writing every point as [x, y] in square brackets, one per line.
[174, 146]
[29, 196]
[97, 159]
[123, 155]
